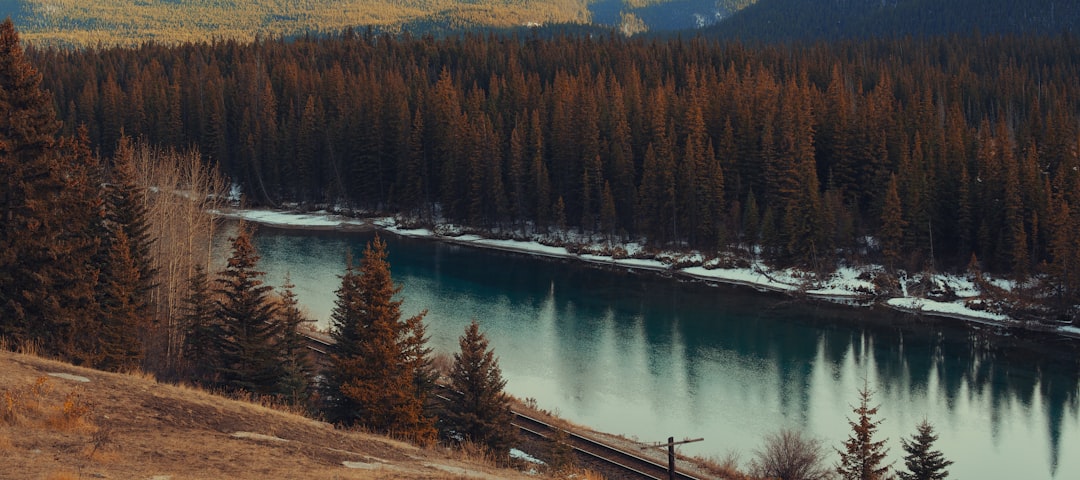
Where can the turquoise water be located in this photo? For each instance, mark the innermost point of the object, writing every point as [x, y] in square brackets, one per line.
[651, 357]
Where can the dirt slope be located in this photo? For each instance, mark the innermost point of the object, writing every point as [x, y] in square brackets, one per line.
[130, 427]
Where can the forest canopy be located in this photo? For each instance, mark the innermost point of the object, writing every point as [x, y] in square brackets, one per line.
[918, 152]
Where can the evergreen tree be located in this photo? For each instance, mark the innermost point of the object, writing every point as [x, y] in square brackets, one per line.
[249, 323]
[297, 370]
[375, 359]
[202, 330]
[892, 225]
[922, 461]
[861, 456]
[480, 412]
[122, 310]
[125, 209]
[46, 204]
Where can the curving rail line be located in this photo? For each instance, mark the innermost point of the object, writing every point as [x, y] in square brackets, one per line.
[634, 466]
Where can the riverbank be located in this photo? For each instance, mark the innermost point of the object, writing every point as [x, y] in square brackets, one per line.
[948, 296]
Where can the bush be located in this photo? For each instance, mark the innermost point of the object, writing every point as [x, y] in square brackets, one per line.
[789, 455]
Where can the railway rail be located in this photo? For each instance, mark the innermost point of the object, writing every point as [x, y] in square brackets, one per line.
[633, 466]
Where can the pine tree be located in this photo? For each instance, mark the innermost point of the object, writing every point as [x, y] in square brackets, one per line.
[892, 225]
[481, 411]
[373, 373]
[249, 326]
[922, 461]
[122, 309]
[46, 204]
[202, 330]
[861, 457]
[297, 370]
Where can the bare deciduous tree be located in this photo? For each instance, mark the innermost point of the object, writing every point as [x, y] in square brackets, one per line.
[789, 455]
[182, 194]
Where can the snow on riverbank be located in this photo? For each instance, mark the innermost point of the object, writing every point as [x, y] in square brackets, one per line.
[849, 285]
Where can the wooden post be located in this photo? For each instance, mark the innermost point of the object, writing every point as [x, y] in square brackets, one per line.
[671, 458]
[671, 453]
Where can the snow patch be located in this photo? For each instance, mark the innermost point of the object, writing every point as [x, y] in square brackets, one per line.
[360, 465]
[854, 285]
[258, 436]
[518, 454]
[68, 376]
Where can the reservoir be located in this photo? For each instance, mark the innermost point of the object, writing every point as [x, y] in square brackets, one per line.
[648, 357]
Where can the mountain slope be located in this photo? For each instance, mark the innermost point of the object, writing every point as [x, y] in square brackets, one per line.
[785, 20]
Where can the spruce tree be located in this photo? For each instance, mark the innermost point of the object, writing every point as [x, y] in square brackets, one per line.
[372, 378]
[202, 330]
[480, 411]
[296, 365]
[122, 309]
[892, 225]
[862, 457]
[922, 461]
[249, 327]
[46, 205]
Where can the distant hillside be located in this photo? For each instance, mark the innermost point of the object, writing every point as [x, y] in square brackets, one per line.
[784, 20]
[665, 15]
[87, 22]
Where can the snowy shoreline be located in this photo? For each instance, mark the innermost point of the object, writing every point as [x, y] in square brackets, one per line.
[848, 285]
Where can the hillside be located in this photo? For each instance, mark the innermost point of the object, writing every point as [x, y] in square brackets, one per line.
[87, 22]
[59, 421]
[786, 20]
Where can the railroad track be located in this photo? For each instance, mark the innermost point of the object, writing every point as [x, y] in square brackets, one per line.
[633, 466]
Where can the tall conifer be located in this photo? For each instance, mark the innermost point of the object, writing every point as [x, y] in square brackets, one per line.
[372, 379]
[249, 326]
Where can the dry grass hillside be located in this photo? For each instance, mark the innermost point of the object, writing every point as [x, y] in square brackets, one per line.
[123, 22]
[58, 422]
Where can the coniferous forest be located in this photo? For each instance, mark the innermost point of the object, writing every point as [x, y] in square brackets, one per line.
[936, 153]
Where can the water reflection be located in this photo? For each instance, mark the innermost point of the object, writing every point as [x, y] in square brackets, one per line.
[652, 357]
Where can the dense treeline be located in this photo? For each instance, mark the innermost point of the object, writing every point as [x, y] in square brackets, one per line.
[92, 251]
[940, 149]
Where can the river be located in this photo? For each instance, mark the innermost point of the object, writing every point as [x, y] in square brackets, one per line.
[650, 357]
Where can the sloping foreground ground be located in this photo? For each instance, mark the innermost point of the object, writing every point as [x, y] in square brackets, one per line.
[58, 421]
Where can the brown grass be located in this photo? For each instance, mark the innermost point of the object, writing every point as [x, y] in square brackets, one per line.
[124, 426]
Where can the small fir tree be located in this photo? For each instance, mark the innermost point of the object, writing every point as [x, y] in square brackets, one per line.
[480, 412]
[922, 461]
[862, 457]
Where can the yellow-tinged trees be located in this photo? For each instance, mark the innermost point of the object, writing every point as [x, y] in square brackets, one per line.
[376, 359]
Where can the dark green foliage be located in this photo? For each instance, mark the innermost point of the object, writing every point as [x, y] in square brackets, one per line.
[296, 365]
[862, 456]
[202, 330]
[249, 324]
[378, 371]
[922, 461]
[479, 411]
